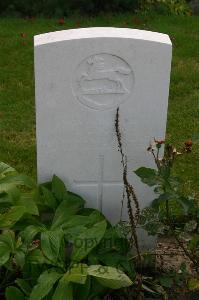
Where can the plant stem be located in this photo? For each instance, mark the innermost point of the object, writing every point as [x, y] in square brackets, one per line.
[130, 192]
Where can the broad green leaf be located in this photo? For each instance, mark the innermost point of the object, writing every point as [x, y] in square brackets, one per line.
[24, 286]
[112, 240]
[18, 179]
[49, 199]
[95, 217]
[82, 291]
[96, 289]
[118, 261]
[36, 257]
[5, 199]
[36, 195]
[76, 220]
[13, 194]
[77, 274]
[94, 258]
[185, 203]
[4, 253]
[109, 276]
[29, 233]
[28, 202]
[86, 211]
[51, 242]
[64, 291]
[87, 240]
[20, 258]
[13, 293]
[72, 233]
[163, 197]
[74, 199]
[58, 188]
[45, 283]
[8, 237]
[67, 208]
[147, 175]
[5, 169]
[9, 218]
[6, 187]
[28, 220]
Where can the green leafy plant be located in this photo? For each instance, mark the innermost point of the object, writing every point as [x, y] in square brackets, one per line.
[171, 213]
[52, 246]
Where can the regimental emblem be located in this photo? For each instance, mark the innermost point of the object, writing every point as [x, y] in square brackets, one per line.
[103, 81]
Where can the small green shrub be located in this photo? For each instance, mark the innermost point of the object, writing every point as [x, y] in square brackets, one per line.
[171, 213]
[52, 246]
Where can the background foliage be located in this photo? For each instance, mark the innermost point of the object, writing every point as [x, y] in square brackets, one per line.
[177, 7]
[60, 8]
[63, 7]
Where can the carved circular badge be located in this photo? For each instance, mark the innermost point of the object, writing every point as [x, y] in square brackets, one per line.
[103, 81]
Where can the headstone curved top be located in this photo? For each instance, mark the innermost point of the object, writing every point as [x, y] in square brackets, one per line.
[100, 32]
[81, 77]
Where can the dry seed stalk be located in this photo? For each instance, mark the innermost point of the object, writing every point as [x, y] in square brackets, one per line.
[130, 192]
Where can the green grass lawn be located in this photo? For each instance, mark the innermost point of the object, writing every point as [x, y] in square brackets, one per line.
[17, 107]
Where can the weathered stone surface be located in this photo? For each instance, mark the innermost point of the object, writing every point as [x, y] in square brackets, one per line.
[82, 76]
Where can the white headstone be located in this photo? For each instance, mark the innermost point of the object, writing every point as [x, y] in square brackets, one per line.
[82, 76]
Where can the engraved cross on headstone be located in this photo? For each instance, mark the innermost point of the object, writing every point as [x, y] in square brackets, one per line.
[99, 183]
